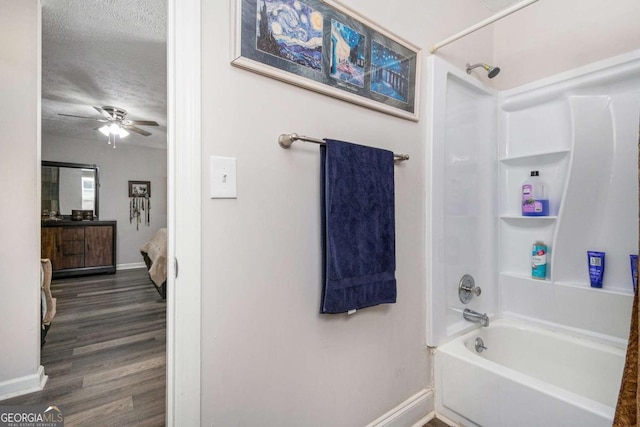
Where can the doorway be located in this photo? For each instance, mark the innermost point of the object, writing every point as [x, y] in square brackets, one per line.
[183, 124]
[104, 103]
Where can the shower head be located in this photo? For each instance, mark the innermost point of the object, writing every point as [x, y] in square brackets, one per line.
[491, 71]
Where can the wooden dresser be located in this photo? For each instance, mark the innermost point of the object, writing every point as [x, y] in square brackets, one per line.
[78, 248]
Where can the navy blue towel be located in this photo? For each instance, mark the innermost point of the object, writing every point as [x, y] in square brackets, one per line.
[358, 225]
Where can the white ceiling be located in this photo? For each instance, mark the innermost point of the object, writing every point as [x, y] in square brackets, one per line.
[496, 5]
[104, 52]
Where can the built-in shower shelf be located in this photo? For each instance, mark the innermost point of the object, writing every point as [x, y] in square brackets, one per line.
[527, 277]
[612, 290]
[528, 218]
[615, 290]
[535, 156]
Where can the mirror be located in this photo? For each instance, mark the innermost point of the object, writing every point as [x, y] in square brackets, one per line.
[69, 186]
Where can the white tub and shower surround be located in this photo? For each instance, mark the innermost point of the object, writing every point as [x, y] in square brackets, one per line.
[580, 130]
[528, 377]
[461, 236]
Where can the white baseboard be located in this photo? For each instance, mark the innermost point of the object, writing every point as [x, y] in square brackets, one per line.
[23, 385]
[408, 413]
[131, 266]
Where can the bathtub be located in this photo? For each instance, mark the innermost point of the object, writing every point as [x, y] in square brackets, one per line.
[528, 376]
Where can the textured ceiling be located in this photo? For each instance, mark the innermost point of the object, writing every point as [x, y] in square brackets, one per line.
[104, 52]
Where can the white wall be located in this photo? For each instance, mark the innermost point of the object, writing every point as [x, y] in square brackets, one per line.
[118, 166]
[549, 37]
[19, 192]
[268, 357]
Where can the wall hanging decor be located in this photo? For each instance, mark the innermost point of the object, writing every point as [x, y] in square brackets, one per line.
[329, 48]
[140, 202]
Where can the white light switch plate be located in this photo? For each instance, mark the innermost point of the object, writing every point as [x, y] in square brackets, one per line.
[223, 177]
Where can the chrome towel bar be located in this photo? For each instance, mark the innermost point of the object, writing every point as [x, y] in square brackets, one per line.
[286, 139]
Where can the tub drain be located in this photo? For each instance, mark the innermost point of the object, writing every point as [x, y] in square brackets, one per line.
[480, 345]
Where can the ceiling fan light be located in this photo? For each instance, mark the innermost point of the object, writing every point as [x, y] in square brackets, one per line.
[104, 130]
[123, 133]
[114, 129]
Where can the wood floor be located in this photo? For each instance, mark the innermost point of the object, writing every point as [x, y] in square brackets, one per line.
[436, 423]
[105, 352]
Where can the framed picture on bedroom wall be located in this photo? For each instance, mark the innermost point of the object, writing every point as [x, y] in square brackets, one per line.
[324, 46]
[139, 188]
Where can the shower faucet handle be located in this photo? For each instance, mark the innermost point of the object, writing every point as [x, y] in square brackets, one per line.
[467, 289]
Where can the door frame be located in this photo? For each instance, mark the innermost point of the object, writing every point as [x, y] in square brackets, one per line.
[183, 212]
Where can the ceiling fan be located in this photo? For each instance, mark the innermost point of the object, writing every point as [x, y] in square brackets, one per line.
[115, 122]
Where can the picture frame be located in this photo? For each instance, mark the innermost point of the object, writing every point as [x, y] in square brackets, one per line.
[327, 47]
[139, 188]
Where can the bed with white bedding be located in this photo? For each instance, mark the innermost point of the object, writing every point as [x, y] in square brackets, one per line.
[154, 253]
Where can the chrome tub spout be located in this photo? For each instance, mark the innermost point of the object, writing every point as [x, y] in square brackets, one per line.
[474, 316]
